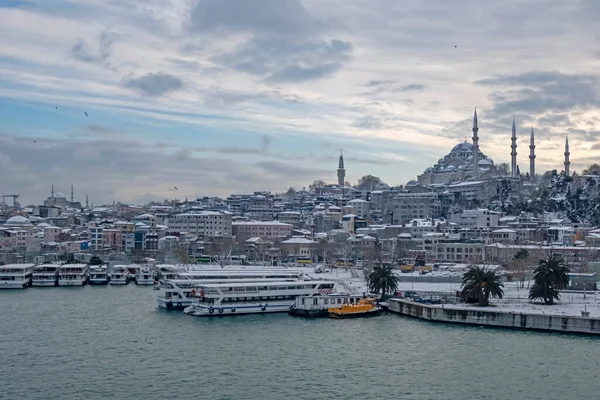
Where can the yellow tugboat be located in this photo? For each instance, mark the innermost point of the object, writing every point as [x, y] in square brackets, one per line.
[363, 308]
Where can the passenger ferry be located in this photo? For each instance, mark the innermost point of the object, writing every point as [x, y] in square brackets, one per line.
[253, 297]
[15, 276]
[145, 276]
[318, 306]
[181, 293]
[45, 275]
[168, 271]
[99, 275]
[73, 274]
[260, 273]
[120, 275]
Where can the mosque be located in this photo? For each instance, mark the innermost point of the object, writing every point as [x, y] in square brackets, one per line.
[466, 162]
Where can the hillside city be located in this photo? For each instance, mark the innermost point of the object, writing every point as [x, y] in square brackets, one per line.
[463, 210]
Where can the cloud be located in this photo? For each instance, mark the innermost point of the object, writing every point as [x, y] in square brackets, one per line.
[286, 42]
[30, 168]
[154, 84]
[262, 149]
[411, 87]
[81, 51]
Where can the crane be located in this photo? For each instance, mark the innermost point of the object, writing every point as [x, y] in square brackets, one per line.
[14, 197]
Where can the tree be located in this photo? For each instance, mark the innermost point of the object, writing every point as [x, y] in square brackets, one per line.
[550, 277]
[593, 169]
[368, 183]
[291, 192]
[478, 285]
[382, 279]
[95, 260]
[317, 184]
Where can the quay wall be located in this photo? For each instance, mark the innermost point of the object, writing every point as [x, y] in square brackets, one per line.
[505, 319]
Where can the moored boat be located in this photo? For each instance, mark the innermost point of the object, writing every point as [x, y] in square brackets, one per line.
[99, 275]
[365, 307]
[45, 275]
[144, 276]
[120, 275]
[15, 276]
[73, 274]
[319, 306]
[258, 297]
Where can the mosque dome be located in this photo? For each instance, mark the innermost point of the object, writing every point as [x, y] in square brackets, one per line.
[43, 225]
[17, 220]
[412, 183]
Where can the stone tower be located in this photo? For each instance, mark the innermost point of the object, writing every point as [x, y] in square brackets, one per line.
[513, 150]
[475, 146]
[341, 172]
[532, 155]
[567, 154]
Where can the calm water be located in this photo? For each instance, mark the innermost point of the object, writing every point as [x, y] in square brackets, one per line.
[113, 343]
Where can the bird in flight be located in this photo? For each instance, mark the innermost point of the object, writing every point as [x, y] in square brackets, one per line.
[56, 107]
[35, 141]
[455, 46]
[175, 187]
[85, 112]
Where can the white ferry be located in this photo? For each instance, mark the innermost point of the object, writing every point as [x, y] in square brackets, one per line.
[181, 293]
[99, 275]
[144, 276]
[120, 275]
[253, 297]
[261, 273]
[45, 275]
[73, 274]
[15, 276]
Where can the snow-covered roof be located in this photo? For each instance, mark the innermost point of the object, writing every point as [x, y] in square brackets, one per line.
[298, 240]
[504, 230]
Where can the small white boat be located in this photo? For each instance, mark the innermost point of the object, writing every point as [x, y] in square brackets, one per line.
[257, 297]
[144, 276]
[15, 276]
[73, 274]
[99, 275]
[120, 275]
[45, 275]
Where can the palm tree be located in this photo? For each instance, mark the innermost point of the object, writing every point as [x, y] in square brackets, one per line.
[479, 284]
[550, 277]
[382, 279]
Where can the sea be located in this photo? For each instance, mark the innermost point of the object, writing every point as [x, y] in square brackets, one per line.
[112, 342]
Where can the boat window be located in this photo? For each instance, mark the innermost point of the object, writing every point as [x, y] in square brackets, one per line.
[325, 301]
[315, 301]
[263, 288]
[303, 301]
[282, 287]
[291, 287]
[339, 301]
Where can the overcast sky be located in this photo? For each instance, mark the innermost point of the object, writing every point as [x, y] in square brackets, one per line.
[221, 96]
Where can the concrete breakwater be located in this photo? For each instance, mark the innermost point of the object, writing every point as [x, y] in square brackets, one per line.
[495, 317]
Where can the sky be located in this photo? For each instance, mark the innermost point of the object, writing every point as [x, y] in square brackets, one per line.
[234, 96]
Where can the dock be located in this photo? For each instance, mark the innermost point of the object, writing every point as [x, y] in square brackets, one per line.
[495, 317]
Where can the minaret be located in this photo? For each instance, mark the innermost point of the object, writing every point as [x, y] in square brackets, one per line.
[475, 146]
[513, 152]
[567, 154]
[52, 192]
[71, 192]
[86, 201]
[532, 156]
[341, 172]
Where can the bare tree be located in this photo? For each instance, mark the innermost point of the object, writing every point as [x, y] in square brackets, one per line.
[221, 249]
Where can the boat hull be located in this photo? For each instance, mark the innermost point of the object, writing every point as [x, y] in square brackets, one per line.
[43, 283]
[296, 312]
[98, 282]
[71, 282]
[118, 282]
[358, 314]
[173, 305]
[141, 281]
[241, 309]
[14, 284]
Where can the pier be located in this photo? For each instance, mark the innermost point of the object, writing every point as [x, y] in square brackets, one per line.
[495, 317]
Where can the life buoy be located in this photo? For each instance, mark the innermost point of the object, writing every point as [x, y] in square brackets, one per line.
[211, 310]
[220, 311]
[178, 304]
[233, 310]
[264, 308]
